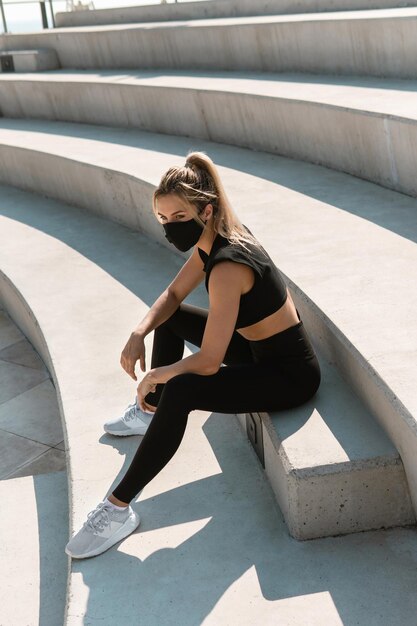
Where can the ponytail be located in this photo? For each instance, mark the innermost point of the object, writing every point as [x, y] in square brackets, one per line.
[198, 183]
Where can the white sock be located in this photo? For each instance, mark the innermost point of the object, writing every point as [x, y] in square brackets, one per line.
[118, 508]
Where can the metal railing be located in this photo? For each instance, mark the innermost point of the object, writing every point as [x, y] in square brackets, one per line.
[42, 7]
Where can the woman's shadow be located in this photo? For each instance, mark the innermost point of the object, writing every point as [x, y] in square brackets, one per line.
[198, 539]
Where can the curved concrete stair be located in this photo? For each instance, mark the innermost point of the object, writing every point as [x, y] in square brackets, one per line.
[95, 280]
[33, 487]
[28, 60]
[378, 42]
[333, 470]
[112, 172]
[363, 126]
[214, 9]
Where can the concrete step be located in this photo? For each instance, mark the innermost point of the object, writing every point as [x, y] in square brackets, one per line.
[362, 126]
[215, 9]
[378, 42]
[34, 531]
[211, 515]
[112, 172]
[85, 263]
[332, 468]
[28, 60]
[33, 487]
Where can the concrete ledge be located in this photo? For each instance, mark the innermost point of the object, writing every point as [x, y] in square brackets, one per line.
[32, 571]
[217, 520]
[28, 60]
[215, 9]
[362, 126]
[113, 172]
[379, 42]
[315, 459]
[86, 264]
[333, 470]
[63, 242]
[211, 511]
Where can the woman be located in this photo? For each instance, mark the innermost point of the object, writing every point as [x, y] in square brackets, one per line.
[252, 327]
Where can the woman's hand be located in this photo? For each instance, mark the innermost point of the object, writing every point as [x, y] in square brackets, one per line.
[133, 350]
[146, 385]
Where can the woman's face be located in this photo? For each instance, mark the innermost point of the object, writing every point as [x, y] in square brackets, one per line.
[169, 209]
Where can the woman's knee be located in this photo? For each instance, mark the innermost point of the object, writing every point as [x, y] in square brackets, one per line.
[181, 381]
[181, 388]
[170, 319]
[316, 376]
[310, 384]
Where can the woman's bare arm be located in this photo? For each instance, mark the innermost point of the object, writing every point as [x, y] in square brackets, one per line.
[160, 311]
[227, 280]
[189, 276]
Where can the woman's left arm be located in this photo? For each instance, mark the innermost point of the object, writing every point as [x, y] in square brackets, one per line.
[226, 283]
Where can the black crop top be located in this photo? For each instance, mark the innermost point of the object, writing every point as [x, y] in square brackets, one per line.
[269, 291]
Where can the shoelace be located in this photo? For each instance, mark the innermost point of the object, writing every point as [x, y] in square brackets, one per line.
[131, 413]
[97, 519]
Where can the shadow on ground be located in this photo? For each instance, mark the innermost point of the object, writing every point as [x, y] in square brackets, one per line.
[389, 209]
[234, 525]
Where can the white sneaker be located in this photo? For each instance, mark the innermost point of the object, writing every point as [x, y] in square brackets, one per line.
[104, 527]
[133, 422]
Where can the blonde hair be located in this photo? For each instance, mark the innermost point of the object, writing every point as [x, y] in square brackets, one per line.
[198, 183]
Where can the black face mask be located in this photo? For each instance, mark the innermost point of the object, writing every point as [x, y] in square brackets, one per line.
[183, 235]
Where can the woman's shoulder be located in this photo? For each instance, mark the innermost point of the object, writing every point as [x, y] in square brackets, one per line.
[249, 254]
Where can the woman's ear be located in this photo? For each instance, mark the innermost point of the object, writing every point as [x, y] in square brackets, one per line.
[208, 211]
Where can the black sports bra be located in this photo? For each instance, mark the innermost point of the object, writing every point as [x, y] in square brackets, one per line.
[269, 291]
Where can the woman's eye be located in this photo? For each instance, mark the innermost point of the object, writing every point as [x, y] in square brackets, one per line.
[163, 218]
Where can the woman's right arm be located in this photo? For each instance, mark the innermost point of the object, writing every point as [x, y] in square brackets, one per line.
[187, 279]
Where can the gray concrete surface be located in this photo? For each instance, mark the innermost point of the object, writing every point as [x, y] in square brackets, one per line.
[363, 126]
[32, 440]
[113, 171]
[213, 546]
[33, 533]
[214, 9]
[32, 60]
[375, 42]
[33, 488]
[333, 470]
[371, 464]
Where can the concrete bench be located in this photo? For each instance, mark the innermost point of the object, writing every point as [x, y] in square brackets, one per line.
[330, 464]
[333, 43]
[363, 126]
[79, 286]
[28, 60]
[32, 475]
[332, 468]
[215, 9]
[76, 293]
[92, 163]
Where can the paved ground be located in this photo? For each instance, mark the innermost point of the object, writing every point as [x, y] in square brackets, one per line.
[32, 441]
[212, 547]
[33, 488]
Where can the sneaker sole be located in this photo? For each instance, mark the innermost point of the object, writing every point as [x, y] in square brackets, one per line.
[140, 431]
[128, 527]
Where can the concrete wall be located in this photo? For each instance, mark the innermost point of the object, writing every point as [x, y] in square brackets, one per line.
[216, 8]
[287, 118]
[383, 44]
[336, 285]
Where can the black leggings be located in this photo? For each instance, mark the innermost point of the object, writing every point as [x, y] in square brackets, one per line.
[279, 372]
